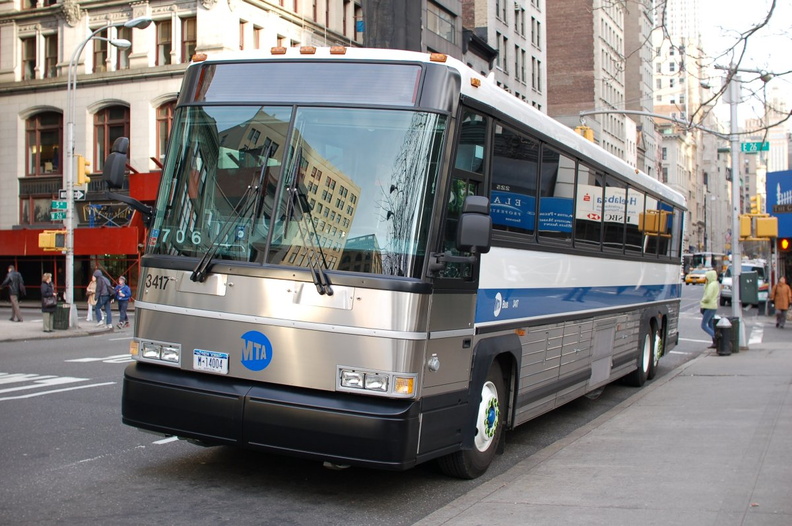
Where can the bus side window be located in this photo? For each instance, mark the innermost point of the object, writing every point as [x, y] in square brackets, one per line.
[472, 137]
[515, 166]
[556, 194]
[588, 207]
[635, 209]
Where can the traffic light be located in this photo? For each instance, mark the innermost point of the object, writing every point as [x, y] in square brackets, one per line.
[756, 204]
[52, 240]
[586, 132]
[745, 226]
[82, 171]
[784, 244]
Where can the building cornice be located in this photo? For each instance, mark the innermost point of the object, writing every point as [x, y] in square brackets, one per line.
[108, 77]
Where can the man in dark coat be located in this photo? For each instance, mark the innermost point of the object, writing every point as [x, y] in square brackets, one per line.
[103, 292]
[16, 288]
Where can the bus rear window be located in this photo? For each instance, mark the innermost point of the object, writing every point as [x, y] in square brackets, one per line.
[326, 82]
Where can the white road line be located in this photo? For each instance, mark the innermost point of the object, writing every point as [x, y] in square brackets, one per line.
[756, 335]
[166, 440]
[6, 378]
[114, 357]
[31, 395]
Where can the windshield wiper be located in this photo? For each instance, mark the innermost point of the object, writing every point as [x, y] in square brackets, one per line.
[248, 200]
[297, 206]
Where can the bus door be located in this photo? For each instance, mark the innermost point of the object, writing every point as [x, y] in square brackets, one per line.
[453, 305]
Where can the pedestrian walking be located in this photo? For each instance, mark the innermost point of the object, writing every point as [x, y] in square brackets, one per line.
[16, 288]
[781, 296]
[709, 304]
[49, 301]
[122, 295]
[90, 292]
[103, 293]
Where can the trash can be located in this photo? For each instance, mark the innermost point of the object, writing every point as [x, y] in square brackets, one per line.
[723, 339]
[735, 333]
[61, 320]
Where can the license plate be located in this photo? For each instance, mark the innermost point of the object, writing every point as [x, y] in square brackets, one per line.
[211, 361]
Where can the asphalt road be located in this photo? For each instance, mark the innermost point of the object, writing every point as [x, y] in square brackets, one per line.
[67, 459]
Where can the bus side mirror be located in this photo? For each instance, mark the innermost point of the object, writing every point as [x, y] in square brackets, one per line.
[474, 231]
[474, 235]
[115, 164]
[113, 174]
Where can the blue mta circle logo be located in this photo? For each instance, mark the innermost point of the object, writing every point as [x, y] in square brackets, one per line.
[256, 351]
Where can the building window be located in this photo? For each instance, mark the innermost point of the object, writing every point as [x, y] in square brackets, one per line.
[122, 57]
[189, 38]
[164, 42]
[164, 123]
[242, 26]
[44, 143]
[50, 56]
[109, 124]
[440, 22]
[28, 58]
[100, 53]
[35, 209]
[257, 32]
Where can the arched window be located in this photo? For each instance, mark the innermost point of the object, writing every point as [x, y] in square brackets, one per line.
[164, 123]
[109, 124]
[44, 144]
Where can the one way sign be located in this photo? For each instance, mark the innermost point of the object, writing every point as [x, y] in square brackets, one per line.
[79, 195]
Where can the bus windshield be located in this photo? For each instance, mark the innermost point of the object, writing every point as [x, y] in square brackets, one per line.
[350, 189]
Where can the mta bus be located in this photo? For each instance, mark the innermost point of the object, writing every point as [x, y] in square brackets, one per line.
[379, 258]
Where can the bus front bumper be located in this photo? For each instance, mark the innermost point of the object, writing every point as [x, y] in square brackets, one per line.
[334, 427]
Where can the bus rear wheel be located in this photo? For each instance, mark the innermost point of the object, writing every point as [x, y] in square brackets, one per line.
[472, 463]
[644, 361]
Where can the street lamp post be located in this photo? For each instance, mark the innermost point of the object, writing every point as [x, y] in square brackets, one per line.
[734, 99]
[71, 86]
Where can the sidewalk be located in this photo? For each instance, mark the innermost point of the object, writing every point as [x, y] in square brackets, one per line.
[708, 444]
[32, 326]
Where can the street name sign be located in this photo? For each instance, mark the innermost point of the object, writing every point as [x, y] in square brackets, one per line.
[59, 205]
[753, 147]
[57, 216]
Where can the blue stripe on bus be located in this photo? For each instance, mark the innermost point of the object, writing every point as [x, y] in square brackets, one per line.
[510, 304]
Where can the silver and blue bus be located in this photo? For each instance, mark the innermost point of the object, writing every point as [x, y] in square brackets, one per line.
[379, 258]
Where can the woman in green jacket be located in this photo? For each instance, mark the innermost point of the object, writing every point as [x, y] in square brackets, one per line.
[709, 303]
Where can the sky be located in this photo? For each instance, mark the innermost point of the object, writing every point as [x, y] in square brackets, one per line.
[769, 49]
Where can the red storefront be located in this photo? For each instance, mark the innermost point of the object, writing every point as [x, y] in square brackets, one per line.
[113, 244]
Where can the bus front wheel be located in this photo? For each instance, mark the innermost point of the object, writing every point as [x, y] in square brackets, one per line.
[469, 464]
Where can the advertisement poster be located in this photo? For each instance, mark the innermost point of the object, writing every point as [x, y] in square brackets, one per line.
[779, 200]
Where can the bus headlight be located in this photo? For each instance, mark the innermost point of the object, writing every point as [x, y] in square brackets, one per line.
[375, 382]
[167, 353]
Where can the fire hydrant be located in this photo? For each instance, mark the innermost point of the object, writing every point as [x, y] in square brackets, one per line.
[723, 337]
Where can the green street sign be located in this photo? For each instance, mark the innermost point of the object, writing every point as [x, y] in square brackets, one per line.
[57, 216]
[59, 205]
[753, 147]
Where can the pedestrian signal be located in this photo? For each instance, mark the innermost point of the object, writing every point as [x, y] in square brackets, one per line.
[784, 244]
[52, 240]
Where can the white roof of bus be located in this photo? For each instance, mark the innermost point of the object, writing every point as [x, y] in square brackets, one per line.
[487, 92]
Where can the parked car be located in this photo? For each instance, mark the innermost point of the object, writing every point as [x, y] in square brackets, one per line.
[697, 276]
[747, 266]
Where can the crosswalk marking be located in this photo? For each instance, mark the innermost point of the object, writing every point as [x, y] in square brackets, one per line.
[31, 395]
[41, 384]
[116, 358]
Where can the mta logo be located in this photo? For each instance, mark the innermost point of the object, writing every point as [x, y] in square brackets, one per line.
[256, 351]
